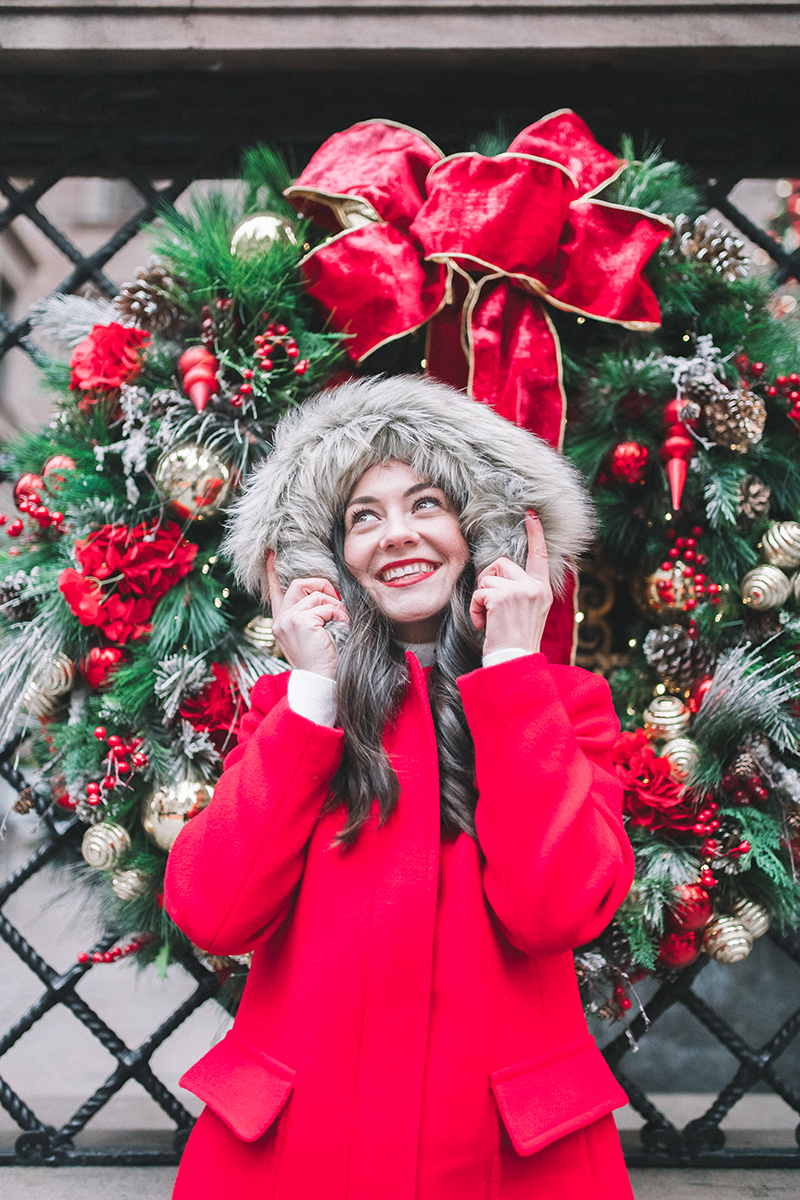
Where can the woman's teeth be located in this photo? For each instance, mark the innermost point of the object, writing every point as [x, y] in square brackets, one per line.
[415, 568]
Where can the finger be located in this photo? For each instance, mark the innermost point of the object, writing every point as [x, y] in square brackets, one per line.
[275, 589]
[313, 600]
[306, 587]
[536, 564]
[477, 609]
[501, 568]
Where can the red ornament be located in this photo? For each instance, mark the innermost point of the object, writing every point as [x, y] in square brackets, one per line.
[675, 453]
[98, 665]
[53, 471]
[28, 487]
[198, 370]
[693, 908]
[629, 462]
[679, 949]
[699, 693]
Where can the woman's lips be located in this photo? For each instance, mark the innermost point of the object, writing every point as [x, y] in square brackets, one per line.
[404, 574]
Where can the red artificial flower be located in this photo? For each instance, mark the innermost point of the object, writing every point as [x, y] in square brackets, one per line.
[652, 797]
[217, 709]
[140, 564]
[107, 358]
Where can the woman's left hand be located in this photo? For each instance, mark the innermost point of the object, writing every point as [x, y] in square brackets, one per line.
[510, 604]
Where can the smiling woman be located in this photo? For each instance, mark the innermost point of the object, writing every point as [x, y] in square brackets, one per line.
[392, 830]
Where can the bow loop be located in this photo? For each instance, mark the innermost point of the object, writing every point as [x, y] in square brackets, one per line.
[565, 138]
[498, 214]
[380, 164]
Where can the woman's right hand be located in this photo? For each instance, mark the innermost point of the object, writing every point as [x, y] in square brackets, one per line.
[299, 616]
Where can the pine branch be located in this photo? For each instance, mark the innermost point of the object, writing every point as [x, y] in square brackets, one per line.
[748, 694]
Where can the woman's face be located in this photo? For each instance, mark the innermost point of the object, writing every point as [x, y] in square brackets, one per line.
[403, 543]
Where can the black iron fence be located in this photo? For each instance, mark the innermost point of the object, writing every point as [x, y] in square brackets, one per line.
[701, 1142]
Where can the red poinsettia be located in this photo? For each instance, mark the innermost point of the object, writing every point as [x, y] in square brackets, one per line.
[652, 797]
[107, 358]
[124, 574]
[217, 709]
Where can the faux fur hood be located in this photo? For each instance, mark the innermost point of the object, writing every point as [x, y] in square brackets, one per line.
[492, 470]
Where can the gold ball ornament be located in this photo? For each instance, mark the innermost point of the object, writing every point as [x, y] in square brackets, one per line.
[781, 544]
[666, 718]
[105, 845]
[194, 480]
[130, 885]
[765, 587]
[754, 917]
[668, 591]
[727, 941]
[165, 812]
[48, 685]
[683, 755]
[258, 232]
[258, 634]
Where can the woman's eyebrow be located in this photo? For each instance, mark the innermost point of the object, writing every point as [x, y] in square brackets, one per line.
[418, 487]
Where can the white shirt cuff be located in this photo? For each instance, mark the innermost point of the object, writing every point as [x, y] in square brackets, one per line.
[313, 697]
[500, 656]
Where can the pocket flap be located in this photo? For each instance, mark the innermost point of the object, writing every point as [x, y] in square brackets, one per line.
[245, 1087]
[547, 1097]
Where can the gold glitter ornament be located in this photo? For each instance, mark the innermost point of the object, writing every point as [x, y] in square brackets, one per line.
[105, 845]
[194, 480]
[754, 917]
[48, 685]
[781, 544]
[258, 634]
[674, 583]
[258, 232]
[666, 718]
[683, 755]
[736, 420]
[765, 587]
[165, 812]
[727, 941]
[131, 884]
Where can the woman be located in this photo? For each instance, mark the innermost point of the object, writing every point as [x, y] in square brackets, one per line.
[416, 828]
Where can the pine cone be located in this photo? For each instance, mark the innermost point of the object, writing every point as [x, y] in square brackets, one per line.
[744, 765]
[149, 300]
[709, 243]
[678, 659]
[736, 419]
[792, 814]
[754, 497]
[24, 802]
[11, 606]
[615, 946]
[702, 389]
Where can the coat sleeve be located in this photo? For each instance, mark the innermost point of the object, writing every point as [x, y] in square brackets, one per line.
[557, 860]
[233, 869]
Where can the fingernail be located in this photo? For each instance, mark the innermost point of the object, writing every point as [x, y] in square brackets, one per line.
[338, 597]
[532, 513]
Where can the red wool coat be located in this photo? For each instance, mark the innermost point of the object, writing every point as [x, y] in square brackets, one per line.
[411, 1028]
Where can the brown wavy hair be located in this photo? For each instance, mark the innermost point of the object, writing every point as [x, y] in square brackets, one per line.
[371, 680]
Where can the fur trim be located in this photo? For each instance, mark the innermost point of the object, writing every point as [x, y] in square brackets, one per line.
[492, 470]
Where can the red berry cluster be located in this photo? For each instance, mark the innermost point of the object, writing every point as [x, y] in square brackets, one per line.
[712, 849]
[276, 338]
[28, 500]
[744, 791]
[787, 386]
[115, 952]
[118, 765]
[707, 820]
[686, 549]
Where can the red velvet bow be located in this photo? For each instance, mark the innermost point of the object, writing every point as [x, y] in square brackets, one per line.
[473, 245]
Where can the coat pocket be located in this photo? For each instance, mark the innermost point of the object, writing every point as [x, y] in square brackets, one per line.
[547, 1097]
[245, 1087]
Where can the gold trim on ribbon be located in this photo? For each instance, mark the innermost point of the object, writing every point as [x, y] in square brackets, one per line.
[548, 162]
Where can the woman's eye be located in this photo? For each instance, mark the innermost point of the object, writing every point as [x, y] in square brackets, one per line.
[359, 517]
[427, 502]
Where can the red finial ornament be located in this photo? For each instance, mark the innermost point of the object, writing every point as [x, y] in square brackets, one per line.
[198, 368]
[678, 447]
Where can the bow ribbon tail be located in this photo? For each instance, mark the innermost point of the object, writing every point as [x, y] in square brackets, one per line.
[515, 359]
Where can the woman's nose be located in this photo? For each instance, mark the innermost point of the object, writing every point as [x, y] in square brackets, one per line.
[398, 531]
